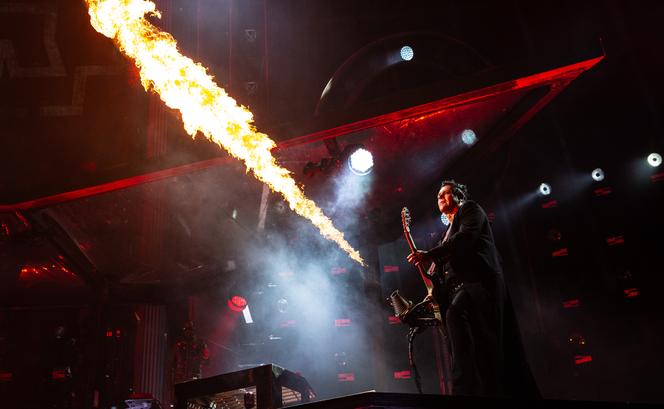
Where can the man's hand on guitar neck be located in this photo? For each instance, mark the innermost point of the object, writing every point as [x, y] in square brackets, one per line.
[420, 258]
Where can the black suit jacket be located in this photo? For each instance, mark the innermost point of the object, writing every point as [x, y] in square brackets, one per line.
[469, 254]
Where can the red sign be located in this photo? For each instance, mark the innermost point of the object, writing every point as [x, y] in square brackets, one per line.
[342, 322]
[572, 303]
[559, 253]
[602, 191]
[582, 359]
[346, 377]
[402, 374]
[631, 292]
[612, 241]
[390, 269]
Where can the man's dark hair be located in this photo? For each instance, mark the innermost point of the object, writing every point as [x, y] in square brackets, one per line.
[459, 191]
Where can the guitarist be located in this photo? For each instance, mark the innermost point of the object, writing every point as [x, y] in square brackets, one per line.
[487, 357]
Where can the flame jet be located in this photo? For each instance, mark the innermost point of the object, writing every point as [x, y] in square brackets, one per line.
[205, 107]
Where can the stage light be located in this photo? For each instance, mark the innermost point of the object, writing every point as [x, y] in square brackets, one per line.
[545, 189]
[468, 137]
[361, 162]
[597, 175]
[654, 159]
[247, 315]
[237, 303]
[407, 53]
[282, 305]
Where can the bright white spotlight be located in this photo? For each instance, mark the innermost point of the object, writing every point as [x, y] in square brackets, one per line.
[598, 175]
[468, 136]
[407, 53]
[247, 315]
[545, 189]
[361, 162]
[654, 159]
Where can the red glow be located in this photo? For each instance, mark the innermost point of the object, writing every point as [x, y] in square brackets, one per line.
[582, 359]
[342, 322]
[287, 323]
[390, 269]
[631, 292]
[346, 377]
[6, 376]
[614, 240]
[559, 253]
[572, 303]
[402, 374]
[392, 320]
[549, 204]
[237, 303]
[657, 177]
[339, 270]
[54, 272]
[109, 333]
[118, 333]
[602, 191]
[58, 375]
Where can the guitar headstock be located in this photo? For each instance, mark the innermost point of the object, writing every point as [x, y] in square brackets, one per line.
[405, 219]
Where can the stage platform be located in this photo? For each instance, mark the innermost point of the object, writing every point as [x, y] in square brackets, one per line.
[422, 401]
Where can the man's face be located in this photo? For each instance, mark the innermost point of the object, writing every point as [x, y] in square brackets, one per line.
[446, 202]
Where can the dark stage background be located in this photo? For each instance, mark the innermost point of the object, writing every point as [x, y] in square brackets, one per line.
[123, 270]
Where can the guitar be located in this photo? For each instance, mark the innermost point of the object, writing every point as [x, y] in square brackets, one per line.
[429, 300]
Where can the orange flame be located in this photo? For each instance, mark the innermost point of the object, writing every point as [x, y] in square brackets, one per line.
[185, 85]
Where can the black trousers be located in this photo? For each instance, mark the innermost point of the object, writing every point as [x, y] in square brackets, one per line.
[474, 327]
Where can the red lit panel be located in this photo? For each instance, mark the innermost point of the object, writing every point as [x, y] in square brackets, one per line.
[390, 269]
[582, 359]
[560, 253]
[602, 191]
[342, 322]
[615, 240]
[549, 204]
[657, 177]
[631, 292]
[572, 303]
[402, 374]
[339, 270]
[346, 377]
[6, 376]
[287, 323]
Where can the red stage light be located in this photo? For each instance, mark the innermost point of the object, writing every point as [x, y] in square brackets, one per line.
[572, 303]
[612, 241]
[631, 292]
[237, 303]
[560, 253]
[402, 374]
[346, 377]
[392, 320]
[339, 270]
[602, 191]
[582, 359]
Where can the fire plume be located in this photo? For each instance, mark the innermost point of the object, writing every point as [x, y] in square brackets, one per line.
[186, 86]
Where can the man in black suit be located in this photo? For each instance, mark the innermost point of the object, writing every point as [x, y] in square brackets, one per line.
[487, 358]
